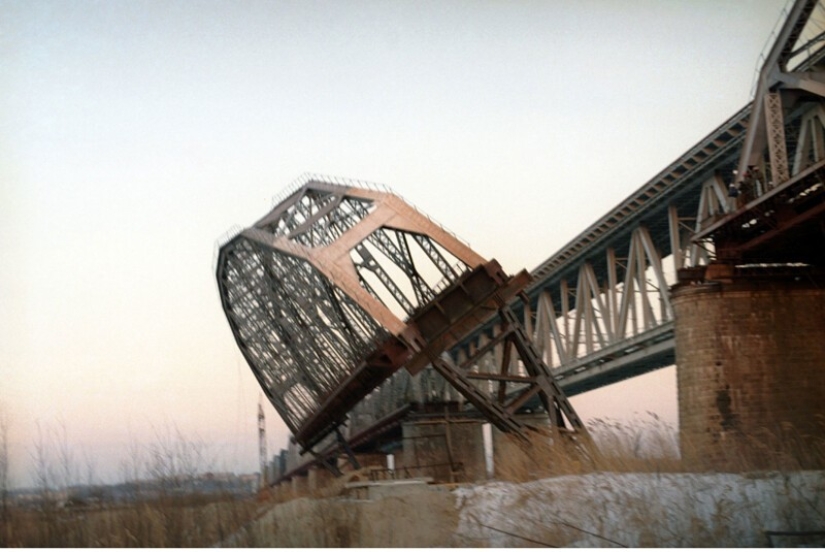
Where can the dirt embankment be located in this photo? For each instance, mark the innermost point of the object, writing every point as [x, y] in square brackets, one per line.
[593, 510]
[420, 518]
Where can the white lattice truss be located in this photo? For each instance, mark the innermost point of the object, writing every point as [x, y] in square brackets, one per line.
[616, 310]
[611, 308]
[788, 76]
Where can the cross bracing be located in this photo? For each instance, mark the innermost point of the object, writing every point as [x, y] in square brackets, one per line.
[296, 329]
[599, 308]
[596, 312]
[339, 287]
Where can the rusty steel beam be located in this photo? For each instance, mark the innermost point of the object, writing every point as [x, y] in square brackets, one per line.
[786, 224]
[341, 286]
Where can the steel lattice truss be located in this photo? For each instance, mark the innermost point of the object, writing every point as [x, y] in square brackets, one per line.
[336, 273]
[299, 351]
[599, 309]
[340, 286]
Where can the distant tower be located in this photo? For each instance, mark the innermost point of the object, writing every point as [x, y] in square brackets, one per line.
[262, 443]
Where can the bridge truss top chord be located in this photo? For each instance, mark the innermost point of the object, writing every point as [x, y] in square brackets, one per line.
[338, 287]
[599, 308]
[327, 295]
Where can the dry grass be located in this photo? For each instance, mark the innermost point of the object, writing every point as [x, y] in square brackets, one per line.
[769, 488]
[160, 507]
[423, 518]
[647, 446]
[652, 446]
[327, 519]
[192, 521]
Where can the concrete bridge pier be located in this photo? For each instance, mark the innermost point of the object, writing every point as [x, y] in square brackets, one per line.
[750, 356]
[449, 450]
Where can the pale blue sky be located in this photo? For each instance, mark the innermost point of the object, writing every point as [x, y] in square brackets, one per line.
[134, 134]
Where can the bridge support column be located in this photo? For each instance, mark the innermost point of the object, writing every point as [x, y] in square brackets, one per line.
[750, 355]
[433, 446]
[318, 478]
[300, 485]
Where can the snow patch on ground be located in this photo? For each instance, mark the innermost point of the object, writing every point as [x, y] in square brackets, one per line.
[642, 510]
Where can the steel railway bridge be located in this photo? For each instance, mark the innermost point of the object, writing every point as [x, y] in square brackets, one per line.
[342, 284]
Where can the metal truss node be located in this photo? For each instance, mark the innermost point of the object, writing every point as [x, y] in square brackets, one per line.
[339, 287]
[751, 191]
[354, 310]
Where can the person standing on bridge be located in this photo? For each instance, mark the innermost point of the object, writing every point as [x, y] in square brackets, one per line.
[746, 188]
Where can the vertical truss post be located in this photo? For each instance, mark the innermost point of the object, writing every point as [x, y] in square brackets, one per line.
[675, 238]
[514, 390]
[776, 138]
[612, 282]
[565, 318]
[765, 126]
[494, 412]
[345, 445]
[551, 395]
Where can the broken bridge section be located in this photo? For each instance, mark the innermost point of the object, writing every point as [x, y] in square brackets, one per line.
[343, 284]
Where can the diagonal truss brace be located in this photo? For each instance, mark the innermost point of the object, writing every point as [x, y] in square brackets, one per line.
[369, 263]
[766, 120]
[536, 380]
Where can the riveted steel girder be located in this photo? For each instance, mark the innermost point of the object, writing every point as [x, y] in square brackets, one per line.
[340, 286]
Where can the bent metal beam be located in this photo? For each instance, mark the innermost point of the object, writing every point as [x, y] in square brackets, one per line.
[340, 286]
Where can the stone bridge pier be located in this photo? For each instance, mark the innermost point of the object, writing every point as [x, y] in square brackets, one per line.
[750, 355]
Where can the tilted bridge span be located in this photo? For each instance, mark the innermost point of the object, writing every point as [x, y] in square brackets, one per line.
[349, 257]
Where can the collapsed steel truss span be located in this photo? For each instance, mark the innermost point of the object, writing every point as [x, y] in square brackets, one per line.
[340, 286]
